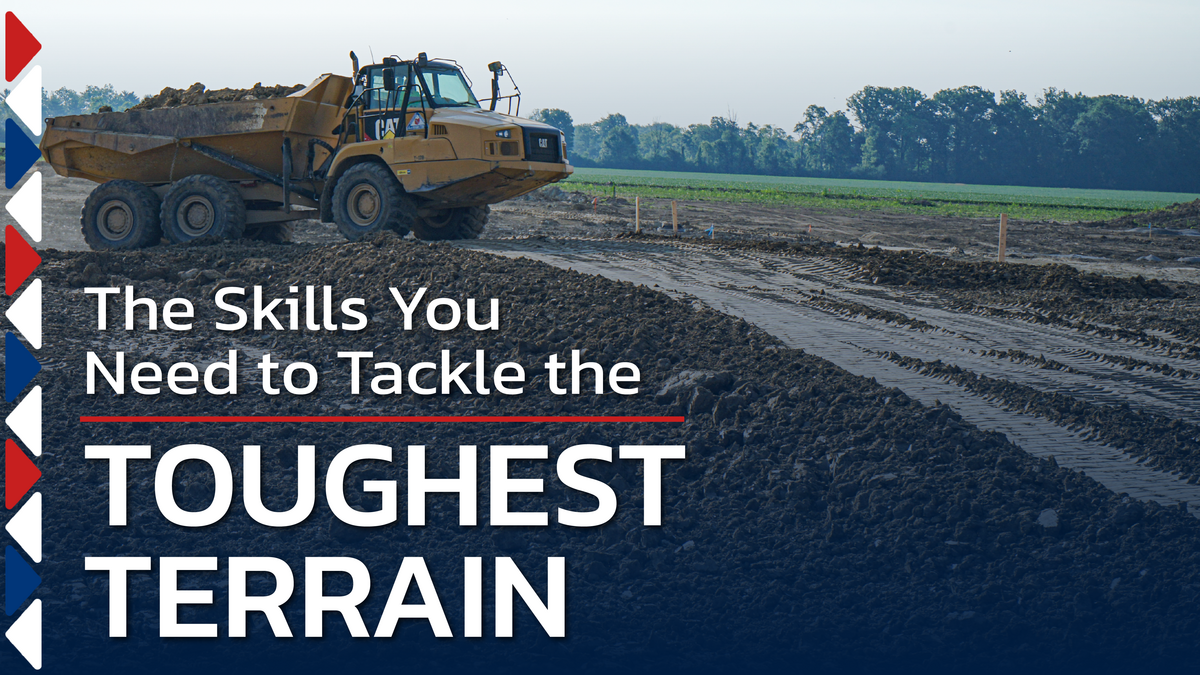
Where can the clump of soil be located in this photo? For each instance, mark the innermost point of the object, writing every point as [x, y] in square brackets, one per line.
[197, 94]
[1182, 216]
[555, 194]
[915, 268]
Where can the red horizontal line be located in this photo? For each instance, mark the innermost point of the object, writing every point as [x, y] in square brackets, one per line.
[372, 418]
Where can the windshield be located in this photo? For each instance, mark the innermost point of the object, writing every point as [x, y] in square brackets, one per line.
[447, 86]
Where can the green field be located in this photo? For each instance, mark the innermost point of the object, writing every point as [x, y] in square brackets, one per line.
[1030, 203]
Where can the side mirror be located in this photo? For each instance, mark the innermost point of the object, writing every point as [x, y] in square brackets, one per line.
[389, 79]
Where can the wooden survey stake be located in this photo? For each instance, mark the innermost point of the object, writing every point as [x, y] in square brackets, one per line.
[1003, 235]
[675, 217]
[637, 214]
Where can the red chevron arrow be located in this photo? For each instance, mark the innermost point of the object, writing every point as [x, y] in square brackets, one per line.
[19, 46]
[19, 473]
[20, 260]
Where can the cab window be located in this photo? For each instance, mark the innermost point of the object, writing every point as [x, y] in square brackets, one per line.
[448, 88]
[379, 98]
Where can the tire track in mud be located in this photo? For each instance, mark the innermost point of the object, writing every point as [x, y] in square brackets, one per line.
[814, 304]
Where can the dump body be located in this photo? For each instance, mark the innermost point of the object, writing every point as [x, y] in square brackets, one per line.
[154, 146]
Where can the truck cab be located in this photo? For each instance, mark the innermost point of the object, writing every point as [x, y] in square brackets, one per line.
[449, 153]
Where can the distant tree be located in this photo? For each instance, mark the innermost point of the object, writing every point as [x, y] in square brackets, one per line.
[829, 144]
[870, 165]
[661, 146]
[61, 102]
[587, 142]
[559, 119]
[1115, 135]
[770, 150]
[1178, 143]
[964, 132]
[721, 146]
[64, 101]
[900, 120]
[618, 142]
[619, 148]
[607, 124]
[1019, 137]
[1057, 112]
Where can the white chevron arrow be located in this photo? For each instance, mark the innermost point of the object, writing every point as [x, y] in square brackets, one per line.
[26, 634]
[26, 206]
[26, 100]
[26, 527]
[26, 313]
[26, 420]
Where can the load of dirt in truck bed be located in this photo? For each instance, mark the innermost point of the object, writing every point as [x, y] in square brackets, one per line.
[1181, 216]
[818, 515]
[198, 95]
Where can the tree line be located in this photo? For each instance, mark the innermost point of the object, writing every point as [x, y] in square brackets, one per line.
[963, 135]
[64, 101]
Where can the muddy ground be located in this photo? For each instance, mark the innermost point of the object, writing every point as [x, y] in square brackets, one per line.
[1176, 216]
[820, 517]
[1116, 248]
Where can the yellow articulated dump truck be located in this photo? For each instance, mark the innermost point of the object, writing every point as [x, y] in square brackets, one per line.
[403, 146]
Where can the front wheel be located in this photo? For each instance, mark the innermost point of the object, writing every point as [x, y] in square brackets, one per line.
[203, 206]
[368, 199]
[461, 223]
[119, 215]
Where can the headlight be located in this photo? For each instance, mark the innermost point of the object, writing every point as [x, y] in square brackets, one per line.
[504, 133]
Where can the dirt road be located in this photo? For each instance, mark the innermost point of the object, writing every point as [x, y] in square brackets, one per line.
[817, 305]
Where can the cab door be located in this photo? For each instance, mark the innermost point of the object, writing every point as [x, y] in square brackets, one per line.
[382, 119]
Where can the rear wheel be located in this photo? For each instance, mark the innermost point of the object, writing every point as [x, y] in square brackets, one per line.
[460, 223]
[368, 199]
[203, 206]
[121, 214]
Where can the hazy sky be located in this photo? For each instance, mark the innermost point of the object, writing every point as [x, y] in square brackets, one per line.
[679, 62]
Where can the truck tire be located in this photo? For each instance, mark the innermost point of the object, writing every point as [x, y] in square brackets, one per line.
[368, 199]
[203, 206]
[121, 214]
[461, 223]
